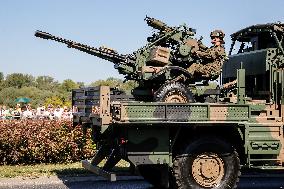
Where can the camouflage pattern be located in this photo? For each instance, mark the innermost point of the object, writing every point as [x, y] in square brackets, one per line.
[149, 133]
[211, 58]
[261, 55]
[259, 127]
[217, 33]
[212, 62]
[166, 56]
[247, 123]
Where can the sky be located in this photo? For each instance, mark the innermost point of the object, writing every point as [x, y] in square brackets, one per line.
[118, 24]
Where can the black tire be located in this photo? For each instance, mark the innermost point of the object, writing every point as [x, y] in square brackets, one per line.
[173, 92]
[206, 163]
[157, 175]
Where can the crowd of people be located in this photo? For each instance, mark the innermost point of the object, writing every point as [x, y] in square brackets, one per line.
[41, 112]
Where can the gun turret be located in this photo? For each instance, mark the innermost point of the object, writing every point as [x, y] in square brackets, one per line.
[157, 24]
[123, 63]
[164, 58]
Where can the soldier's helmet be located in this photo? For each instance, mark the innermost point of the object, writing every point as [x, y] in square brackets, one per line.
[217, 33]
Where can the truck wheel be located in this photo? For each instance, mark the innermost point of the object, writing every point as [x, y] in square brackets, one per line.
[207, 163]
[157, 175]
[173, 92]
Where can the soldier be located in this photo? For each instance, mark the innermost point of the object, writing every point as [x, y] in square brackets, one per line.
[211, 58]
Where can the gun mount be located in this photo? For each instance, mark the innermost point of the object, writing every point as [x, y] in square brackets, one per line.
[161, 61]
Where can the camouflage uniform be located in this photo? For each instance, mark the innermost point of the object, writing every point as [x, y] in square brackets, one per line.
[211, 62]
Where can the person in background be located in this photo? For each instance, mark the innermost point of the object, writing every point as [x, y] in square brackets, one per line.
[8, 113]
[66, 114]
[40, 111]
[50, 111]
[17, 112]
[57, 113]
[27, 113]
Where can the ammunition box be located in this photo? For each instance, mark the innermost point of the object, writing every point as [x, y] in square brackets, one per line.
[159, 56]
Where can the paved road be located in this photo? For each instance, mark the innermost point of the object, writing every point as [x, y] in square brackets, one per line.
[256, 181]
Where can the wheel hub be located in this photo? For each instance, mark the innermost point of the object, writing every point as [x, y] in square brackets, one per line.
[208, 170]
[176, 97]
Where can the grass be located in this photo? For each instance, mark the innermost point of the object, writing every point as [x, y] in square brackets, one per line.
[34, 171]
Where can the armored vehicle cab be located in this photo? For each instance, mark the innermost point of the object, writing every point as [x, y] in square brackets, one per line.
[260, 50]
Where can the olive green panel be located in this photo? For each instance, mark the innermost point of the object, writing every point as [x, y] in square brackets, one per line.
[241, 75]
[148, 146]
[263, 139]
[154, 112]
[255, 62]
[263, 143]
[238, 112]
[145, 111]
[257, 107]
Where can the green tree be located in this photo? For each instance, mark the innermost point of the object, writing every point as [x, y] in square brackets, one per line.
[111, 81]
[1, 80]
[54, 100]
[8, 96]
[1, 76]
[46, 83]
[18, 80]
[36, 95]
[129, 85]
[68, 84]
[45, 90]
[81, 84]
[115, 82]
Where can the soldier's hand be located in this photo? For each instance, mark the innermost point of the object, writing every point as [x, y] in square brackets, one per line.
[198, 53]
[193, 51]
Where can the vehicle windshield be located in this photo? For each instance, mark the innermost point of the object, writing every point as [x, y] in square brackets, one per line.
[241, 47]
[252, 43]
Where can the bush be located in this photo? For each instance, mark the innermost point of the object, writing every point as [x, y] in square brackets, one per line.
[43, 141]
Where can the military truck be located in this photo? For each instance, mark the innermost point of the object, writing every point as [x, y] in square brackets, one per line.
[197, 145]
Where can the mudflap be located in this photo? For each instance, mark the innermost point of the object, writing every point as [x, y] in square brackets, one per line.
[98, 171]
[112, 155]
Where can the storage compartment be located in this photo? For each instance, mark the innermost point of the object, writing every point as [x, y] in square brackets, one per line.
[159, 56]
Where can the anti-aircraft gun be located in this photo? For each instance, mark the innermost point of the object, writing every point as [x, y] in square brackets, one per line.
[190, 145]
[159, 67]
